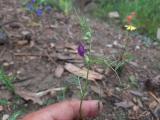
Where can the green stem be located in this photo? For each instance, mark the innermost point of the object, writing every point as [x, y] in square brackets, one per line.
[86, 83]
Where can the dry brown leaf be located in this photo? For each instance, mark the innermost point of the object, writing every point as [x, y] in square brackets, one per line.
[59, 71]
[27, 95]
[99, 70]
[63, 57]
[98, 90]
[83, 72]
[22, 42]
[71, 46]
[36, 97]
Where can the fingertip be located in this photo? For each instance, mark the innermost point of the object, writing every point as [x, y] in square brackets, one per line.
[90, 108]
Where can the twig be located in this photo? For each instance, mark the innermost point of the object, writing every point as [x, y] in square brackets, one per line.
[147, 107]
[2, 52]
[154, 96]
[28, 54]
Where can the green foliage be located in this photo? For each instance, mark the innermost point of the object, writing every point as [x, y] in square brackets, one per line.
[49, 102]
[6, 80]
[133, 81]
[15, 115]
[47, 5]
[147, 13]
[120, 114]
[3, 102]
[65, 5]
[62, 94]
[86, 30]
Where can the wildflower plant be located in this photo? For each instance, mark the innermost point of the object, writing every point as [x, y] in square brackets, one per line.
[41, 6]
[7, 80]
[84, 50]
[86, 54]
[125, 56]
[65, 6]
[38, 6]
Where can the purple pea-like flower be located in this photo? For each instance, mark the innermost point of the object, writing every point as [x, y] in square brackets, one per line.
[48, 8]
[39, 12]
[81, 50]
[33, 1]
[30, 7]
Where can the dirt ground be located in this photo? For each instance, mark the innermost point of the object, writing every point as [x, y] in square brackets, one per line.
[33, 59]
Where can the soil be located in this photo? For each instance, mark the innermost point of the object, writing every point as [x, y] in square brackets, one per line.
[32, 59]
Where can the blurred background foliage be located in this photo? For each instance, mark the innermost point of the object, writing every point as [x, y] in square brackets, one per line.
[147, 11]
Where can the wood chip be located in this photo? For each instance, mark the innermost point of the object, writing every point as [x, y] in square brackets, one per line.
[71, 46]
[136, 93]
[59, 71]
[22, 42]
[36, 97]
[99, 70]
[83, 72]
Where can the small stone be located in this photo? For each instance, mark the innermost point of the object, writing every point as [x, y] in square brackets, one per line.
[115, 43]
[59, 71]
[19, 72]
[27, 35]
[99, 70]
[53, 26]
[109, 45]
[3, 38]
[118, 89]
[137, 47]
[135, 108]
[52, 45]
[6, 64]
[5, 117]
[113, 14]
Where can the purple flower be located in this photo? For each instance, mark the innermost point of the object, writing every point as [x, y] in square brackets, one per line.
[29, 7]
[48, 8]
[39, 12]
[33, 1]
[81, 50]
